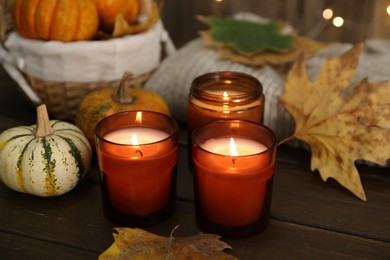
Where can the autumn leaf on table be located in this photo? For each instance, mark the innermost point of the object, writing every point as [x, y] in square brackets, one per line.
[256, 43]
[134, 243]
[340, 125]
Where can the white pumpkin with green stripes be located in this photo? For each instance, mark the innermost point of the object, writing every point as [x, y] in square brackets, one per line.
[46, 159]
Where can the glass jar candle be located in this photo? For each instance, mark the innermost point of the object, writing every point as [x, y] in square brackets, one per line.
[137, 157]
[234, 164]
[225, 95]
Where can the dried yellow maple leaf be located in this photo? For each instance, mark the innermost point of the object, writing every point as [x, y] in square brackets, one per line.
[341, 124]
[134, 243]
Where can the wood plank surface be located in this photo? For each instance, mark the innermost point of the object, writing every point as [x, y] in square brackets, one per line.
[22, 247]
[76, 221]
[302, 197]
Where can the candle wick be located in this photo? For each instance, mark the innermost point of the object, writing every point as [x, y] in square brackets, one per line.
[233, 160]
[140, 153]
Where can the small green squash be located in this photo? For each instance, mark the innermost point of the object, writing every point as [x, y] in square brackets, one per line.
[46, 159]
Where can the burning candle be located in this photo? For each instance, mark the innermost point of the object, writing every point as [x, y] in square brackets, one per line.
[137, 155]
[234, 164]
[136, 136]
[233, 146]
[224, 95]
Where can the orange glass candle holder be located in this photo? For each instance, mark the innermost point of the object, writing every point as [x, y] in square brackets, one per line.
[225, 95]
[137, 156]
[234, 164]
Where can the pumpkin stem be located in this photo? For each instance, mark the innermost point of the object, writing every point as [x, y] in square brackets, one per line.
[121, 96]
[43, 123]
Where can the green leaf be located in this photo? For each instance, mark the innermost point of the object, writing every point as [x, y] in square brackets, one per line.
[247, 36]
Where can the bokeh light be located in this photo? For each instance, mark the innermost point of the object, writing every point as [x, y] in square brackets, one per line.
[327, 13]
[338, 21]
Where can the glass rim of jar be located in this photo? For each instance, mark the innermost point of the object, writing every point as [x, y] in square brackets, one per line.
[175, 125]
[199, 87]
[269, 148]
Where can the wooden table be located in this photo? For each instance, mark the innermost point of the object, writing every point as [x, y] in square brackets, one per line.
[309, 218]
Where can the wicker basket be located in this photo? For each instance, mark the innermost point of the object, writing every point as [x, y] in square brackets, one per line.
[63, 98]
[61, 74]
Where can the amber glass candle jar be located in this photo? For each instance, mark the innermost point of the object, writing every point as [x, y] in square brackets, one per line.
[234, 164]
[224, 95]
[137, 156]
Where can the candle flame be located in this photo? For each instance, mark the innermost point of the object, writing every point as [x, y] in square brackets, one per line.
[138, 117]
[225, 95]
[134, 139]
[233, 149]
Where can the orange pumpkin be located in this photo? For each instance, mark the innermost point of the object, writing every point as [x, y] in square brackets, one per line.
[109, 9]
[101, 103]
[59, 20]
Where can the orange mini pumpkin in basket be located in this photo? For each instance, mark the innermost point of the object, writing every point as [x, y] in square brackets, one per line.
[58, 20]
[108, 11]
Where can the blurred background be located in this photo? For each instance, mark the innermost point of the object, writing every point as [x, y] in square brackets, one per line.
[349, 21]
